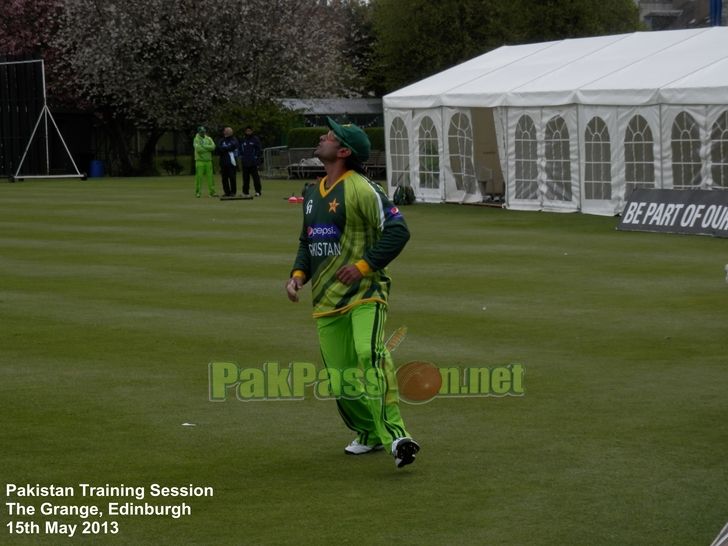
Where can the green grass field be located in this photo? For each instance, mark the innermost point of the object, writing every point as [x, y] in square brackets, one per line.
[115, 294]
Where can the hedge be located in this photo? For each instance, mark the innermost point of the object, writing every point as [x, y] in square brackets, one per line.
[308, 137]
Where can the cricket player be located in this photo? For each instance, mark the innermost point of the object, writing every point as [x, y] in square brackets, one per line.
[351, 231]
[204, 146]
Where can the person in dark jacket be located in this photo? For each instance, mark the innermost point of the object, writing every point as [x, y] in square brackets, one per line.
[228, 150]
[251, 156]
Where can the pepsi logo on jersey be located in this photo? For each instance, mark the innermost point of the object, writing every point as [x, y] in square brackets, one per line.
[323, 231]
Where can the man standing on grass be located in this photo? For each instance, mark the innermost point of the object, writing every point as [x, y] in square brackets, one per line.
[228, 150]
[351, 231]
[204, 146]
[251, 156]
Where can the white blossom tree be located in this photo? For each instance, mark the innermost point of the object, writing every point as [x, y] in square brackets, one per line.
[169, 64]
[25, 27]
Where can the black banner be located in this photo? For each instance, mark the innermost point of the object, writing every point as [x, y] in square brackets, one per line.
[694, 212]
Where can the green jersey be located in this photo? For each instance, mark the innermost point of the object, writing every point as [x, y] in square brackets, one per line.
[204, 146]
[352, 222]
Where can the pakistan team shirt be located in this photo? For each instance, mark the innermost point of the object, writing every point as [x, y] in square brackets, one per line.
[351, 222]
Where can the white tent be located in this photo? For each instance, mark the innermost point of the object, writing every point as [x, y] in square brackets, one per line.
[567, 125]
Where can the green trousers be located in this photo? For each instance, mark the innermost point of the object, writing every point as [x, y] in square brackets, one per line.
[203, 170]
[362, 373]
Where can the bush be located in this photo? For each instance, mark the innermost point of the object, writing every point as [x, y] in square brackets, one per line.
[376, 137]
[308, 137]
[179, 164]
[172, 166]
[305, 137]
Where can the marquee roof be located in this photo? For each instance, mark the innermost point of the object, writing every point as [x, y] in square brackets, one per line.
[642, 68]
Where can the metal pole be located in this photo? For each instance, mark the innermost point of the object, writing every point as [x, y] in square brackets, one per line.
[45, 119]
[30, 140]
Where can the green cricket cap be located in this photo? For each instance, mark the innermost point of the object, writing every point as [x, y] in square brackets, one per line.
[201, 129]
[352, 137]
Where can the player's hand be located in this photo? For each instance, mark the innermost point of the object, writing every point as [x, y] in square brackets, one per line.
[293, 285]
[349, 274]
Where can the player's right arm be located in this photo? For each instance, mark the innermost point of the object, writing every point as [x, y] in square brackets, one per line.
[301, 270]
[299, 273]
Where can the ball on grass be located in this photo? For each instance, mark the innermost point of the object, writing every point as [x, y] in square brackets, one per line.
[418, 381]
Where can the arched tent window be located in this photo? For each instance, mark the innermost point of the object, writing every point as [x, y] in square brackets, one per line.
[598, 160]
[639, 155]
[399, 152]
[685, 152]
[460, 141]
[429, 154]
[558, 160]
[526, 159]
[719, 151]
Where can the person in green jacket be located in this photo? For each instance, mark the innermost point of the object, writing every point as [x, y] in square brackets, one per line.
[204, 146]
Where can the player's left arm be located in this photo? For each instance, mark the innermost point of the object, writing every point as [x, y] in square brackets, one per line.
[379, 211]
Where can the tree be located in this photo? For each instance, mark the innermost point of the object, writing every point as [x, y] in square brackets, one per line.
[142, 65]
[26, 28]
[155, 65]
[287, 48]
[559, 19]
[358, 48]
[418, 38]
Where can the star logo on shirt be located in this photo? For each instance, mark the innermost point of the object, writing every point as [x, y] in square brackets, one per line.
[333, 205]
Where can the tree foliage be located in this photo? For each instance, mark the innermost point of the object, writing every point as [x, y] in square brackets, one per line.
[358, 48]
[27, 27]
[171, 64]
[558, 19]
[417, 38]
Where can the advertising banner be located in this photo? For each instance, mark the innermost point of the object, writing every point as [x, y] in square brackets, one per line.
[694, 212]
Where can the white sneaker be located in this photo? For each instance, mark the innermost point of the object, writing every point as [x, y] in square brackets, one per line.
[355, 448]
[404, 451]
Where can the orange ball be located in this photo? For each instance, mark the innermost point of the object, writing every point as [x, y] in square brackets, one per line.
[418, 381]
